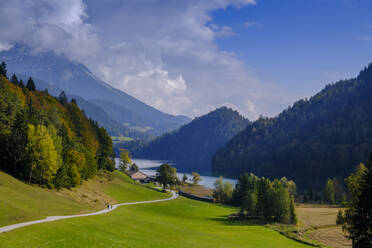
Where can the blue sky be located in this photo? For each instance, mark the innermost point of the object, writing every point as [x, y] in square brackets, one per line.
[301, 45]
[192, 56]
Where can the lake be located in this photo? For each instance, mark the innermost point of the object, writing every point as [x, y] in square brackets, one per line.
[148, 167]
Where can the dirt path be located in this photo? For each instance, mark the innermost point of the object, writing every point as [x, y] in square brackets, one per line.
[104, 211]
[331, 236]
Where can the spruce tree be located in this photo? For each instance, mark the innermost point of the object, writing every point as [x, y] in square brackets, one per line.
[3, 70]
[358, 214]
[14, 80]
[21, 83]
[362, 233]
[18, 144]
[62, 98]
[31, 84]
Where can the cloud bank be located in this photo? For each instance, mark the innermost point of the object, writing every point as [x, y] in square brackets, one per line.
[162, 52]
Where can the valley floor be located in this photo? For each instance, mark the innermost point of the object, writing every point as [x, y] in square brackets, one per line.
[177, 223]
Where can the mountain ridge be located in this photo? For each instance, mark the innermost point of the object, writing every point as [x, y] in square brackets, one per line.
[324, 136]
[191, 146]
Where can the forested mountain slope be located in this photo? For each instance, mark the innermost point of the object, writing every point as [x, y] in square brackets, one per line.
[95, 110]
[326, 135]
[76, 79]
[191, 147]
[46, 140]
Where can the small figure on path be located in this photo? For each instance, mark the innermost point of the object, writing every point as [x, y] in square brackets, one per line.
[108, 206]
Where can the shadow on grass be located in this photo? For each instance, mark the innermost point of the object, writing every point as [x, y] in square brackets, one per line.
[225, 220]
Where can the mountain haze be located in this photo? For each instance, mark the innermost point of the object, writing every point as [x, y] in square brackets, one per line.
[191, 147]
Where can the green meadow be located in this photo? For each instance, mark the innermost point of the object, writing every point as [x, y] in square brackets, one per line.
[177, 223]
[20, 202]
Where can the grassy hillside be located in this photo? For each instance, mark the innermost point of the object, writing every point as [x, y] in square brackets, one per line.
[21, 202]
[178, 223]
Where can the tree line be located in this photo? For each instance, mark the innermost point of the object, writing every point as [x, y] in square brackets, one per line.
[260, 198]
[47, 140]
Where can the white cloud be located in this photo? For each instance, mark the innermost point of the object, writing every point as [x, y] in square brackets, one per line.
[48, 25]
[253, 25]
[364, 37]
[162, 52]
[222, 31]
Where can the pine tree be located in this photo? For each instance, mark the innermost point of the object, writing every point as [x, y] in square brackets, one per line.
[3, 70]
[62, 98]
[21, 83]
[14, 80]
[361, 232]
[18, 144]
[358, 210]
[31, 84]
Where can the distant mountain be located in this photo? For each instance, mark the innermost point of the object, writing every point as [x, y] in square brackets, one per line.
[191, 147]
[74, 78]
[113, 127]
[325, 136]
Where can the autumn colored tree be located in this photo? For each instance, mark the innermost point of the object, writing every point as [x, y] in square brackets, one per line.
[195, 177]
[125, 160]
[43, 155]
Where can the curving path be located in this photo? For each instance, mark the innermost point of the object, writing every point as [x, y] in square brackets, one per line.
[54, 218]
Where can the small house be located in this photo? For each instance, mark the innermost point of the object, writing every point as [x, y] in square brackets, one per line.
[140, 177]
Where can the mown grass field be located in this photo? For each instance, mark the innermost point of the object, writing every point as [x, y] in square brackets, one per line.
[177, 223]
[314, 216]
[319, 224]
[20, 202]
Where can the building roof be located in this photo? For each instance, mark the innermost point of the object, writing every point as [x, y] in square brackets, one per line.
[138, 175]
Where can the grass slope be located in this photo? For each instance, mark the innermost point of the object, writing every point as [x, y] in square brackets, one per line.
[123, 189]
[20, 202]
[178, 223]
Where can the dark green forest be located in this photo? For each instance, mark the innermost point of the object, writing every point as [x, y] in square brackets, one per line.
[47, 140]
[192, 146]
[324, 136]
[259, 198]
